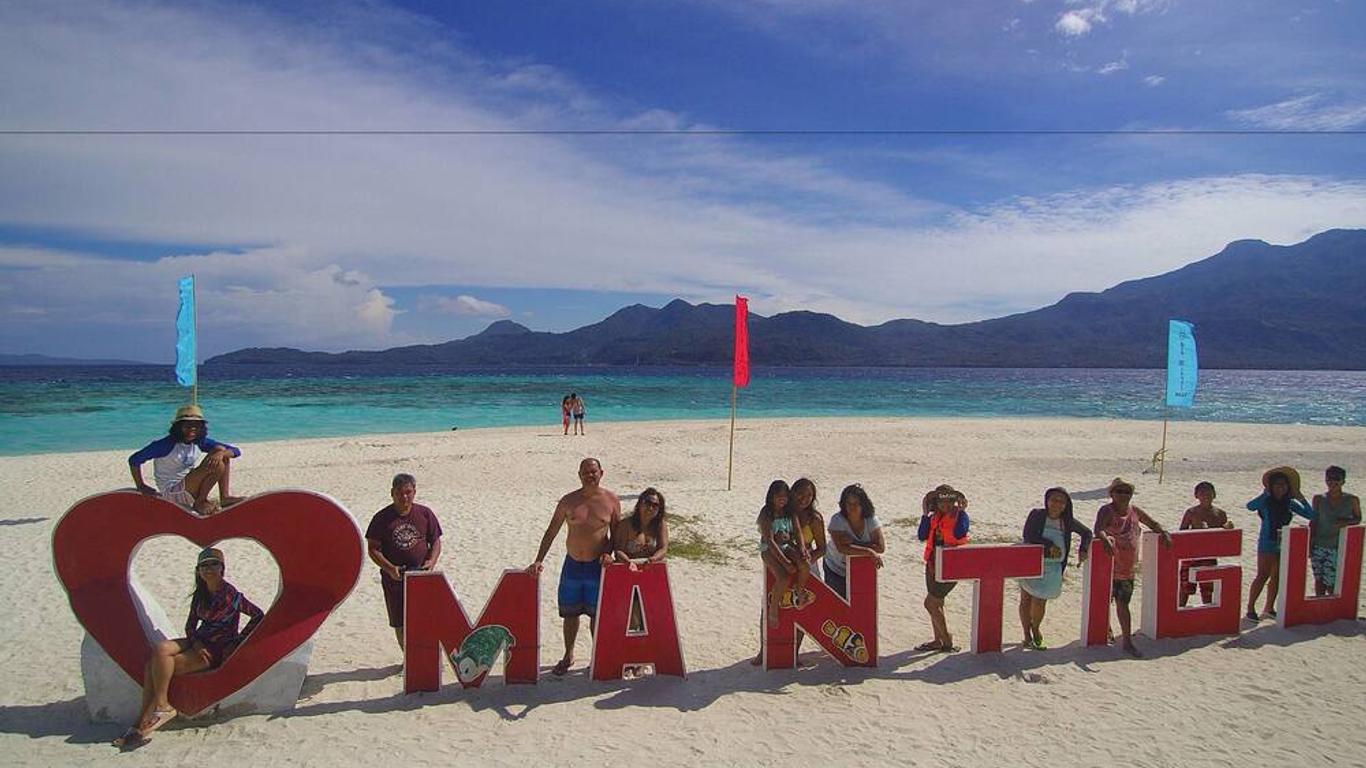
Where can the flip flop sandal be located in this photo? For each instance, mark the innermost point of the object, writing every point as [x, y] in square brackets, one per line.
[160, 717]
[932, 645]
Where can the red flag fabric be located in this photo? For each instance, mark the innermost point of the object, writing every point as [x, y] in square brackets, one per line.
[741, 341]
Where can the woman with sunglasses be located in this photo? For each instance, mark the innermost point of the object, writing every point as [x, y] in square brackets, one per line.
[211, 635]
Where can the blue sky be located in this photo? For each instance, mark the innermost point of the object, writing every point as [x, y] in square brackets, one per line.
[344, 242]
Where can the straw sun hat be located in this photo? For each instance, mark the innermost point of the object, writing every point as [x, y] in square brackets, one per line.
[188, 413]
[1289, 472]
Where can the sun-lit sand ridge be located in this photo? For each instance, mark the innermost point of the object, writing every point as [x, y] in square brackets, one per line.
[1271, 696]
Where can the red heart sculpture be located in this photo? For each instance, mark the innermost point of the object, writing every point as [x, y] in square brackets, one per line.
[313, 539]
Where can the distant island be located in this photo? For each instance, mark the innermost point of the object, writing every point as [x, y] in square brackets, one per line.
[41, 360]
[1254, 305]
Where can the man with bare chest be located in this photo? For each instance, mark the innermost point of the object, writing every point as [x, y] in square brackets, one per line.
[591, 513]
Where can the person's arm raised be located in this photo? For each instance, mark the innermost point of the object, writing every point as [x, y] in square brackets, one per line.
[1153, 525]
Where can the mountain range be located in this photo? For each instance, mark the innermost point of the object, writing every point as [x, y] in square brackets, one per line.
[1254, 306]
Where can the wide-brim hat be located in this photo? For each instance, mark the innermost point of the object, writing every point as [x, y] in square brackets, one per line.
[1120, 482]
[188, 413]
[1290, 473]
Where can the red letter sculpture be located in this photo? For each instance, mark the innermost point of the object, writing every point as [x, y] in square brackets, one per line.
[1162, 614]
[434, 619]
[846, 630]
[1292, 605]
[614, 645]
[988, 566]
[314, 541]
[1097, 576]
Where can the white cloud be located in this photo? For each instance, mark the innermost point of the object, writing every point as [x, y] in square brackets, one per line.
[1152, 81]
[1074, 23]
[309, 227]
[1092, 13]
[1313, 112]
[1113, 67]
[462, 305]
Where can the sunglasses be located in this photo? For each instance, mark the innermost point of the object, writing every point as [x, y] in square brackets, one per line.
[1121, 492]
[650, 503]
[209, 564]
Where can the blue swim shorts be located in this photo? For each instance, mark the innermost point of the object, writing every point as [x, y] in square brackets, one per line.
[579, 587]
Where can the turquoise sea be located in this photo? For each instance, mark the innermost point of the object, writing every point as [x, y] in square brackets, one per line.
[94, 408]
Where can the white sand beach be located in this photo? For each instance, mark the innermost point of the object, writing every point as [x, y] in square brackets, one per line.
[1267, 697]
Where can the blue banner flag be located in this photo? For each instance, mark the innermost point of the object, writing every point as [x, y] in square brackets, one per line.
[185, 344]
[1183, 368]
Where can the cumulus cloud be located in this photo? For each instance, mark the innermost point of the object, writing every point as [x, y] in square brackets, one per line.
[304, 234]
[462, 305]
[1079, 21]
[1312, 112]
[1074, 23]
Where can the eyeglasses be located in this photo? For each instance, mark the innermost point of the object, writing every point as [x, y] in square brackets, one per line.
[210, 564]
[650, 503]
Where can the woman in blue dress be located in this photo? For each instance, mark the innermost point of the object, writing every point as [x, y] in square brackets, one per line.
[1052, 527]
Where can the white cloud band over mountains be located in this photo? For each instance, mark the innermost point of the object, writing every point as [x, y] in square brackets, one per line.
[303, 234]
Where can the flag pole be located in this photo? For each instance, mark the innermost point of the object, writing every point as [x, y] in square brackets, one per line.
[730, 455]
[194, 388]
[1162, 454]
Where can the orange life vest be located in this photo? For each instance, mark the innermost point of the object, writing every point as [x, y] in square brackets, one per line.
[944, 524]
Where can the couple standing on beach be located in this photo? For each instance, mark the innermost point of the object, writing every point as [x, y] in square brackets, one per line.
[572, 406]
[597, 536]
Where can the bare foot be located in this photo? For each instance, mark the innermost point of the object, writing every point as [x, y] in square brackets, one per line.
[228, 501]
[562, 666]
[206, 508]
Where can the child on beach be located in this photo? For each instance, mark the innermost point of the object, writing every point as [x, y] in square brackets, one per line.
[1280, 501]
[1333, 511]
[1117, 527]
[1199, 517]
[943, 523]
[783, 550]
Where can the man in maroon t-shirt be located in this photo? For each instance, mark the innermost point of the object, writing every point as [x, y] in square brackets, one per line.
[402, 537]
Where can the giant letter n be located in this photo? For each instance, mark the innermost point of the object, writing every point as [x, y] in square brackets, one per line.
[436, 625]
[847, 630]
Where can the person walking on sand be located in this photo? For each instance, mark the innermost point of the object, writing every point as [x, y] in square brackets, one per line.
[1051, 525]
[591, 513]
[1203, 515]
[211, 635]
[1117, 526]
[404, 536]
[943, 523]
[1333, 511]
[187, 464]
[577, 409]
[1277, 505]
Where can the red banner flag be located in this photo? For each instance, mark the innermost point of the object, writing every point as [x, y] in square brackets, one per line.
[741, 341]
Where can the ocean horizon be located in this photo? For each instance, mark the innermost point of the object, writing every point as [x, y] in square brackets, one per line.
[83, 408]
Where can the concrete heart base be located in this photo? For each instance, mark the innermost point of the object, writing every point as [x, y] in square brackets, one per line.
[111, 695]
